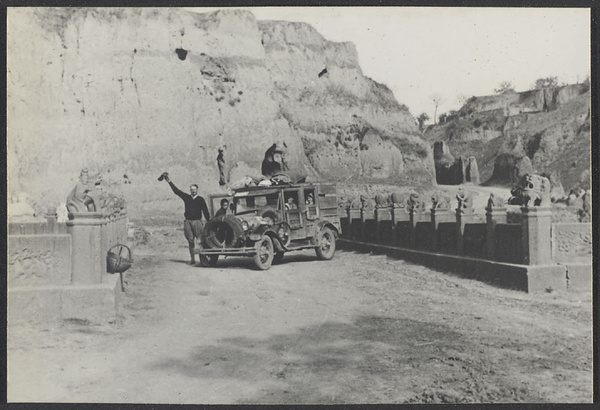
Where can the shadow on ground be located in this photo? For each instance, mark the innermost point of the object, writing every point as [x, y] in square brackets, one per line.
[327, 363]
[246, 262]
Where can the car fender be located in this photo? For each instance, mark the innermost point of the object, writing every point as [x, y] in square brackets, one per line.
[325, 223]
[262, 230]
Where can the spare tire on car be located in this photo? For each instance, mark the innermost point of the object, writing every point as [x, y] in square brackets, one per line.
[222, 231]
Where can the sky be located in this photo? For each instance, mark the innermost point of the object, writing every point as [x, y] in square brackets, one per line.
[455, 53]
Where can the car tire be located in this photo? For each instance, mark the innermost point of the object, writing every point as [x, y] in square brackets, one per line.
[222, 232]
[326, 248]
[264, 253]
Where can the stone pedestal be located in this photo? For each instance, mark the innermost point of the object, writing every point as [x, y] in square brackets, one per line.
[493, 216]
[462, 218]
[88, 260]
[536, 230]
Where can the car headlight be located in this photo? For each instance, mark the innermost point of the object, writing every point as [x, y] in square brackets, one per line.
[245, 225]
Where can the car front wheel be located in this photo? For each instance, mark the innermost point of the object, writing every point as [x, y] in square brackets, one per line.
[264, 253]
[326, 248]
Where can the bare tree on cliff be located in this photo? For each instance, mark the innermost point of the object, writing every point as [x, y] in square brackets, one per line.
[548, 82]
[505, 87]
[437, 100]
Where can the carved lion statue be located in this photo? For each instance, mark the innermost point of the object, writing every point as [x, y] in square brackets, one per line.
[531, 190]
[415, 203]
[440, 202]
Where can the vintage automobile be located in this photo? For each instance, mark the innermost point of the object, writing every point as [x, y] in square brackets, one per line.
[269, 221]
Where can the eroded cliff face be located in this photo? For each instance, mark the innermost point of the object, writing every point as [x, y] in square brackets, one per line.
[544, 131]
[139, 91]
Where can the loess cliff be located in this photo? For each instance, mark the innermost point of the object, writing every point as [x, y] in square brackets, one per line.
[130, 93]
[544, 131]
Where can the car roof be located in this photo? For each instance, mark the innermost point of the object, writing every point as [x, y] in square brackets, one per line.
[263, 190]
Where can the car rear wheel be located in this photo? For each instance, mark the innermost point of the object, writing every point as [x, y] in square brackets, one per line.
[326, 248]
[264, 253]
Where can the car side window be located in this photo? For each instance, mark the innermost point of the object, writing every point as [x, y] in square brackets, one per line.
[291, 200]
[309, 201]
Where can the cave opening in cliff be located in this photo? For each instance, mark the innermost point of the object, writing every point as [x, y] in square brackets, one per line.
[181, 53]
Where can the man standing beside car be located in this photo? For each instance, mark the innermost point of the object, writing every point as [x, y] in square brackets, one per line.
[195, 207]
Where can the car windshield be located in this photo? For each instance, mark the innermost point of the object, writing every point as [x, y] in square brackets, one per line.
[248, 204]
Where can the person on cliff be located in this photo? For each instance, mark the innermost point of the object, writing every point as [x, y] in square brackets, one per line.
[195, 208]
[222, 167]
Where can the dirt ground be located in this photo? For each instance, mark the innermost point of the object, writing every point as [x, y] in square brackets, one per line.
[361, 328]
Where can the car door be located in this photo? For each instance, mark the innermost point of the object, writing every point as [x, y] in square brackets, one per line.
[310, 210]
[293, 213]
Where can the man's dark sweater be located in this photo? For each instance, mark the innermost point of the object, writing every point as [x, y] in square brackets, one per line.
[194, 207]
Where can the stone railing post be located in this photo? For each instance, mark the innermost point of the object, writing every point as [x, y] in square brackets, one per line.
[88, 262]
[355, 222]
[105, 239]
[367, 214]
[111, 230]
[51, 221]
[399, 214]
[493, 216]
[382, 215]
[416, 216]
[462, 218]
[536, 227]
[437, 216]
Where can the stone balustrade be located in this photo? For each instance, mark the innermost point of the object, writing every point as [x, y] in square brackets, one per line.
[464, 233]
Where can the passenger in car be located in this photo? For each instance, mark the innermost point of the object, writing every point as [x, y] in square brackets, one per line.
[291, 203]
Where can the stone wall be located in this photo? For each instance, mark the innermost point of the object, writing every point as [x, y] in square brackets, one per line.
[53, 276]
[572, 242]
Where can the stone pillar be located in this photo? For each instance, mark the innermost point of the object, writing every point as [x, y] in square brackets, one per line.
[536, 230]
[462, 218]
[88, 263]
[51, 221]
[493, 216]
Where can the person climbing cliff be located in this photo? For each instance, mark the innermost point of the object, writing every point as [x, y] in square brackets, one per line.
[274, 162]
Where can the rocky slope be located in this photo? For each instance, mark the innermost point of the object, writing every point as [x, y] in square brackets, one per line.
[544, 131]
[130, 93]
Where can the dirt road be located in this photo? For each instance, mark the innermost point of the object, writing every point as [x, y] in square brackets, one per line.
[359, 329]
